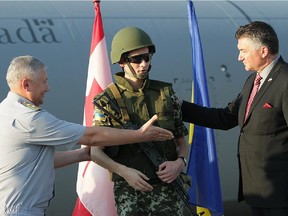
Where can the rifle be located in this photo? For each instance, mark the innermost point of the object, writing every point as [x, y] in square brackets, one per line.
[149, 149]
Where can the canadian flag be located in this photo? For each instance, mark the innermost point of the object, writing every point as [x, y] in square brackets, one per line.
[94, 187]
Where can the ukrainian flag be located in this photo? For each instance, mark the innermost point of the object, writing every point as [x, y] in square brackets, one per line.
[205, 191]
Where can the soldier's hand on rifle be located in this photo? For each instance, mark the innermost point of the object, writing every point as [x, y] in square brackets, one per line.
[136, 179]
[170, 170]
[153, 133]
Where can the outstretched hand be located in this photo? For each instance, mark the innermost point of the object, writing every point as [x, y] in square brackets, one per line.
[153, 133]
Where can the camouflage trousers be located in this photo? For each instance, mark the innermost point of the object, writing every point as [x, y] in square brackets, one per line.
[162, 201]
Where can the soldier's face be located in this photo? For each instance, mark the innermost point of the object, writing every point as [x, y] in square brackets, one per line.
[140, 61]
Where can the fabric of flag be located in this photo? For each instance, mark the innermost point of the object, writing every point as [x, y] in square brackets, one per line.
[202, 165]
[94, 187]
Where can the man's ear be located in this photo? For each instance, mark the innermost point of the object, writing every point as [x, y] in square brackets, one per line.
[264, 51]
[25, 84]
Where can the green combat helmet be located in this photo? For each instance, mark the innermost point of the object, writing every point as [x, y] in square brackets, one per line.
[127, 39]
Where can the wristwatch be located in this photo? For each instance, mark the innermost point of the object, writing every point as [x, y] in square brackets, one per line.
[184, 160]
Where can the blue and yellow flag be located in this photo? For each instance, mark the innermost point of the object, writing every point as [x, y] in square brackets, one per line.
[205, 192]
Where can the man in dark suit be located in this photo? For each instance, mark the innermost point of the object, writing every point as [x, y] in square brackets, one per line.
[263, 137]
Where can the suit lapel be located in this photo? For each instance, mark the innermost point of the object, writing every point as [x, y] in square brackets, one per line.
[268, 81]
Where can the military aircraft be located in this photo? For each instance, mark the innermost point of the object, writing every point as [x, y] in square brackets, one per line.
[59, 33]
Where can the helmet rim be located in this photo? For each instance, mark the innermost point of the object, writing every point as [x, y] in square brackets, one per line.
[128, 39]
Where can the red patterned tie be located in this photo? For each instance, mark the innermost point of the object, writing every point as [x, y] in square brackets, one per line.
[253, 93]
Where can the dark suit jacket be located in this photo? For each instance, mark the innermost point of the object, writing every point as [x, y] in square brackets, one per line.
[263, 138]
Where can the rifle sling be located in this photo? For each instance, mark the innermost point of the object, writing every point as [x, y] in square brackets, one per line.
[147, 147]
[116, 93]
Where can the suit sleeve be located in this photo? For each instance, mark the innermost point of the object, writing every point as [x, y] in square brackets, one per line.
[216, 118]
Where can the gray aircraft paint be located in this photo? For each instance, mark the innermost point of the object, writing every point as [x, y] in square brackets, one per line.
[59, 33]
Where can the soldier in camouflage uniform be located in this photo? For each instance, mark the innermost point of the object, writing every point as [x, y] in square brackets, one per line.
[139, 189]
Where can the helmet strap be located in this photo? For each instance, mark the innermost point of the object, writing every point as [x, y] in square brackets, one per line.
[134, 73]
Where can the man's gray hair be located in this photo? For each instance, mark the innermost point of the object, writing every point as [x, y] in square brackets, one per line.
[23, 67]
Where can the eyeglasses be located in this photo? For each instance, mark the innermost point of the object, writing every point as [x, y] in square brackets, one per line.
[139, 58]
